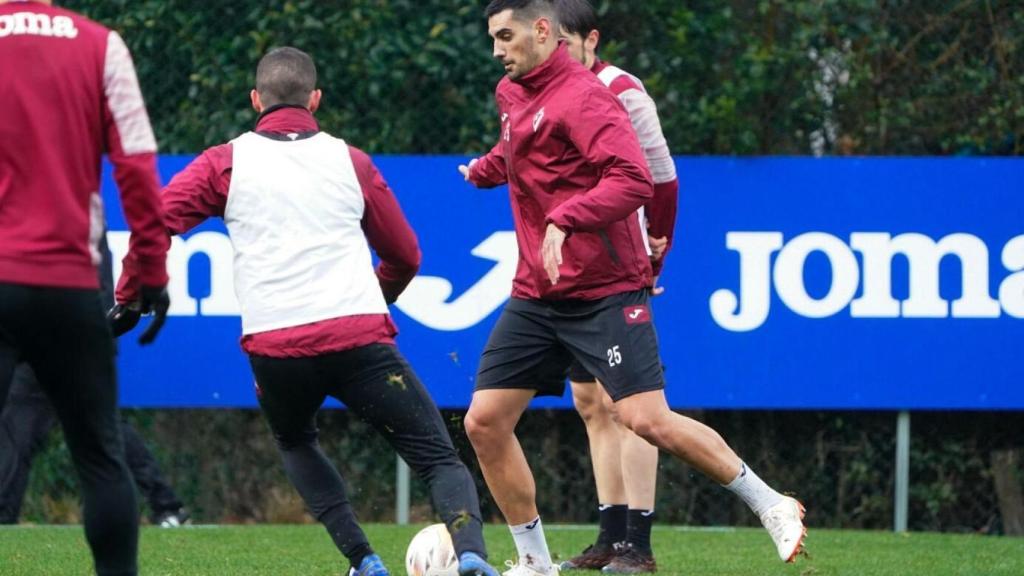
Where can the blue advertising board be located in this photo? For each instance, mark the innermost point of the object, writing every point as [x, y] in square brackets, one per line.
[794, 283]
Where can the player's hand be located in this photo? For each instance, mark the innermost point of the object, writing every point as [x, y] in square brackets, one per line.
[465, 168]
[154, 300]
[655, 289]
[658, 246]
[124, 317]
[551, 251]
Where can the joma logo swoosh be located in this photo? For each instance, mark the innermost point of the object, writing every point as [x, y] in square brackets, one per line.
[426, 300]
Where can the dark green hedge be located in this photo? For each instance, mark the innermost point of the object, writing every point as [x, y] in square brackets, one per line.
[840, 464]
[730, 76]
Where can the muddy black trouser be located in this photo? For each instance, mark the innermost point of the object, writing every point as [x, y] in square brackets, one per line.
[377, 385]
[62, 334]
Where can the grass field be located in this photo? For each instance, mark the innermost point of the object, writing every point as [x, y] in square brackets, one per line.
[307, 551]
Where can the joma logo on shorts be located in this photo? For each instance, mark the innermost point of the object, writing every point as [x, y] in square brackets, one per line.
[21, 23]
[748, 310]
[637, 314]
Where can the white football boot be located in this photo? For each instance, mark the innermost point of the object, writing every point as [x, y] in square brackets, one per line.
[784, 522]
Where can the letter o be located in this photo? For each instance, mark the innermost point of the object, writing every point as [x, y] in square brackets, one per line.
[789, 275]
[6, 25]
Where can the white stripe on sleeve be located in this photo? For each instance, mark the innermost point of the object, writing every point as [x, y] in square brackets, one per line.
[124, 97]
[644, 116]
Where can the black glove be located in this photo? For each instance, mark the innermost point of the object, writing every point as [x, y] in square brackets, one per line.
[123, 317]
[154, 301]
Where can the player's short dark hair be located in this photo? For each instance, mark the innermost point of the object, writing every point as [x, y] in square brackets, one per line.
[285, 76]
[524, 9]
[576, 16]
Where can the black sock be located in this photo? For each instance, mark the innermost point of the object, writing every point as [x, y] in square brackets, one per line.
[613, 523]
[639, 529]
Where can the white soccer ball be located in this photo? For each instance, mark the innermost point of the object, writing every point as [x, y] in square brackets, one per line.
[431, 553]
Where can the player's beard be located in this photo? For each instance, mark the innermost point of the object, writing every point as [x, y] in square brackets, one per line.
[525, 64]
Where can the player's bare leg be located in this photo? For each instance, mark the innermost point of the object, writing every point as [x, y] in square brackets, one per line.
[648, 415]
[490, 424]
[639, 469]
[603, 434]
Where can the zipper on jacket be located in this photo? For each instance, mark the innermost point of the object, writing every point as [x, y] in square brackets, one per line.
[603, 233]
[523, 197]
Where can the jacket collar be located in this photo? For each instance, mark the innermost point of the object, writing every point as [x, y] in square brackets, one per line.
[286, 119]
[553, 67]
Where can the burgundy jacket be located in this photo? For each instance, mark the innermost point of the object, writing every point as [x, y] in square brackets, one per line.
[68, 93]
[570, 157]
[200, 191]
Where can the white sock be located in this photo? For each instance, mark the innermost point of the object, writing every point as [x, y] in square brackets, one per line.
[531, 545]
[752, 490]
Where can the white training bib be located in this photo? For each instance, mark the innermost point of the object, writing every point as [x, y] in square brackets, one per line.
[294, 214]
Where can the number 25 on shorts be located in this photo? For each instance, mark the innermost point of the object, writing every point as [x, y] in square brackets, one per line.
[614, 356]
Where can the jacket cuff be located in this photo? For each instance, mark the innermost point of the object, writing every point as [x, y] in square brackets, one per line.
[128, 284]
[561, 221]
[153, 272]
[148, 271]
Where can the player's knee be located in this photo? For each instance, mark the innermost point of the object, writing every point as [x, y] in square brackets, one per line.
[588, 407]
[478, 428]
[652, 429]
[640, 427]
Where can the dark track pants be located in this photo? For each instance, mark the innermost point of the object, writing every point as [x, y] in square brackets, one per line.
[377, 384]
[63, 335]
[25, 425]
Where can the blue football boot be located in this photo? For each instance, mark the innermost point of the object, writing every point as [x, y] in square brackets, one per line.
[371, 565]
[471, 564]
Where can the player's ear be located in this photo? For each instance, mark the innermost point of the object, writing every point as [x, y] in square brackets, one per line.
[314, 100]
[591, 41]
[542, 29]
[254, 96]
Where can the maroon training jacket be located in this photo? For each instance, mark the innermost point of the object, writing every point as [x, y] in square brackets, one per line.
[570, 157]
[68, 92]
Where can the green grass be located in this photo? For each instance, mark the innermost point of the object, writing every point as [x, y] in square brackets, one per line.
[307, 551]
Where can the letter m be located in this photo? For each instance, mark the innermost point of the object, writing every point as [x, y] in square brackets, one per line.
[216, 246]
[32, 23]
[924, 256]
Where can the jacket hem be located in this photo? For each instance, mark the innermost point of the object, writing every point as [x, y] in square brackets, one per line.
[48, 274]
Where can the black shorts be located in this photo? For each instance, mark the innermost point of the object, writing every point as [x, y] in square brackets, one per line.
[535, 341]
[579, 374]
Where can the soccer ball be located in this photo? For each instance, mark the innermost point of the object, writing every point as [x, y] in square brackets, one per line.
[431, 553]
